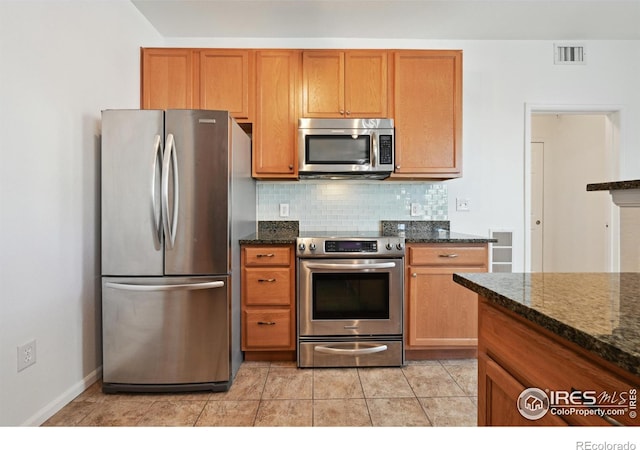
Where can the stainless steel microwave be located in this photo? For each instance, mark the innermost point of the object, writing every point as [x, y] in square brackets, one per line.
[345, 148]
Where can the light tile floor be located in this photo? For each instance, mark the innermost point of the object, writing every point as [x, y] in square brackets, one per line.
[423, 393]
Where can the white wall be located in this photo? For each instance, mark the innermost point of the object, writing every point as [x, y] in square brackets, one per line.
[61, 63]
[64, 61]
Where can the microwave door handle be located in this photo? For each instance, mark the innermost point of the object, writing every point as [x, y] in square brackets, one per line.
[374, 149]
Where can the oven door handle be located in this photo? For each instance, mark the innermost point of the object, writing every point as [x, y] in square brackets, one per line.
[373, 348]
[385, 265]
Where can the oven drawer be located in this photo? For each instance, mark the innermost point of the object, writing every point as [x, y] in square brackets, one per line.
[447, 255]
[351, 353]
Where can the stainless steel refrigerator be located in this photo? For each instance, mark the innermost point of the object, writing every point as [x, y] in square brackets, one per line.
[177, 194]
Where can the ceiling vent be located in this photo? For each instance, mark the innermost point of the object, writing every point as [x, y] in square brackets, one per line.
[569, 54]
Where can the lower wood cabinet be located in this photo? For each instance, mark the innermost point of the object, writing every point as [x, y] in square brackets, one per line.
[440, 315]
[268, 302]
[515, 354]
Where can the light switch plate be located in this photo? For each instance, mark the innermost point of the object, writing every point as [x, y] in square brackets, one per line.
[284, 210]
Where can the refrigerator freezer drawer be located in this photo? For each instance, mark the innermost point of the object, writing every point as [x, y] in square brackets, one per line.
[165, 331]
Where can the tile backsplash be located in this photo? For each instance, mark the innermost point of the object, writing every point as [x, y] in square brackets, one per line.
[321, 205]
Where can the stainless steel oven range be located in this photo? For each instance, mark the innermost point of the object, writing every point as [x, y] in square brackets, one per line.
[350, 301]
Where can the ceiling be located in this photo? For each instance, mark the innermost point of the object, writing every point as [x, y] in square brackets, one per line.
[395, 19]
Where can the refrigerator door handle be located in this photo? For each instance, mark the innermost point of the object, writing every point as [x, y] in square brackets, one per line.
[170, 158]
[156, 213]
[164, 287]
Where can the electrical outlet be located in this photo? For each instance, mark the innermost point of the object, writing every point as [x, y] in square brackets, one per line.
[415, 209]
[284, 210]
[462, 204]
[26, 355]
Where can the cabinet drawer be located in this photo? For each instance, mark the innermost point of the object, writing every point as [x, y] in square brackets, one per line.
[268, 286]
[267, 329]
[267, 256]
[449, 255]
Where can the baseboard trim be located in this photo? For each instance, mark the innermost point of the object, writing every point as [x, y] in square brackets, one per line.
[63, 399]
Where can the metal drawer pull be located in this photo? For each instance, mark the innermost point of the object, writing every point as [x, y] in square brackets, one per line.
[350, 351]
[265, 255]
[266, 323]
[448, 255]
[266, 280]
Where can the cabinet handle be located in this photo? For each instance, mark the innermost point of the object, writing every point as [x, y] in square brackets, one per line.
[266, 280]
[265, 255]
[448, 255]
[414, 275]
[397, 167]
[265, 323]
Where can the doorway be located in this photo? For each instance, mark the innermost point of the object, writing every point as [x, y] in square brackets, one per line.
[569, 229]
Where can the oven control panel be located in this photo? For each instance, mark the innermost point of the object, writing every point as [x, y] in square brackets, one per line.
[318, 247]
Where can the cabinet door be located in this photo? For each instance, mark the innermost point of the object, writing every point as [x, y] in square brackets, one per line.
[323, 83]
[441, 313]
[365, 84]
[427, 108]
[277, 106]
[225, 82]
[498, 394]
[167, 78]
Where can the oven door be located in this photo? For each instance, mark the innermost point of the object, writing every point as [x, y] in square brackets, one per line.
[350, 297]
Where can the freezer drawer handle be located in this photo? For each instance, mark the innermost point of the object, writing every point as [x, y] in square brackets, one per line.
[350, 351]
[164, 287]
[170, 159]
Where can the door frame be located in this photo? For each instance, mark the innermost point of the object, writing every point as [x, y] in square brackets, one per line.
[616, 129]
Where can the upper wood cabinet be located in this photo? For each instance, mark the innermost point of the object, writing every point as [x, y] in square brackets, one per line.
[344, 83]
[277, 108]
[177, 78]
[226, 81]
[427, 108]
[167, 78]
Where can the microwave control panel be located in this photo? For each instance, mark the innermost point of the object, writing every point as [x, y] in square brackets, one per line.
[385, 149]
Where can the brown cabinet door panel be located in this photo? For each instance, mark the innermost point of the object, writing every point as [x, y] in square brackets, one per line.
[277, 106]
[167, 78]
[225, 81]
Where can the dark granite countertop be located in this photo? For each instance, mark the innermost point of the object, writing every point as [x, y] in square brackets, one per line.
[416, 232]
[600, 312]
[614, 185]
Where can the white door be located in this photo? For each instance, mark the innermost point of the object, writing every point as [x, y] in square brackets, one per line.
[570, 227]
[537, 205]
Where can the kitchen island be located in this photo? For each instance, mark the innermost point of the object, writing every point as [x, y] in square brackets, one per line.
[557, 348]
